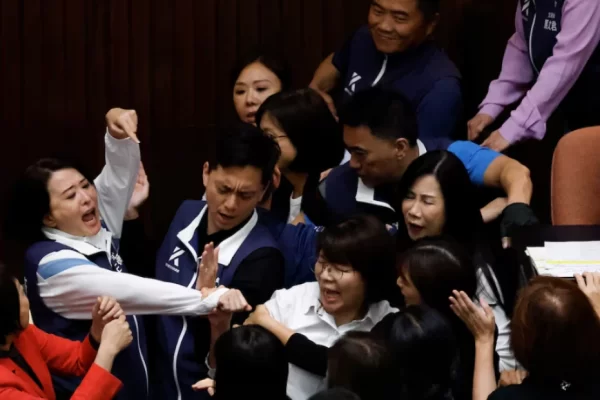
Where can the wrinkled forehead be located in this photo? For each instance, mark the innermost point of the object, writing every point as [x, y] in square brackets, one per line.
[245, 179]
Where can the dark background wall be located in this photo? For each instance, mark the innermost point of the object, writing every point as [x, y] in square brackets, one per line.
[64, 63]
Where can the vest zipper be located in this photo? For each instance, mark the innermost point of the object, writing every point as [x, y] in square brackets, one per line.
[179, 341]
[137, 331]
[531, 40]
[381, 72]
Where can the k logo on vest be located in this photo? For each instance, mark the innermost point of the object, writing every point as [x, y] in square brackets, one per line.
[351, 88]
[174, 259]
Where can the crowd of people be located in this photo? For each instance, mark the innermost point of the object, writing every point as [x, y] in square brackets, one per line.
[342, 249]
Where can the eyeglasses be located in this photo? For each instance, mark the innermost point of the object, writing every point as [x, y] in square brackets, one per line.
[333, 270]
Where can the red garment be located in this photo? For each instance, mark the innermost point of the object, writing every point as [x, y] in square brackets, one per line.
[47, 353]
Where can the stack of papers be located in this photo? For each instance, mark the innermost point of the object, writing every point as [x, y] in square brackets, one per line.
[564, 259]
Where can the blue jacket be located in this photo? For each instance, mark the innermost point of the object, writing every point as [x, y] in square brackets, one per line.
[424, 75]
[178, 363]
[131, 365]
[345, 194]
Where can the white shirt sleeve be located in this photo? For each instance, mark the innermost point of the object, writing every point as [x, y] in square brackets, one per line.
[69, 285]
[116, 182]
[281, 304]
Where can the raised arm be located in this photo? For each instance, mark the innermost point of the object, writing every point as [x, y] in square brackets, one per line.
[117, 180]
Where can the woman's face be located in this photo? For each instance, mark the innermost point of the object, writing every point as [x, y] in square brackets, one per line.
[253, 86]
[288, 151]
[342, 288]
[73, 204]
[23, 306]
[411, 295]
[424, 209]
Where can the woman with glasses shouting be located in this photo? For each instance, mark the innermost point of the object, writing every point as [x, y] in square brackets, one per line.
[355, 274]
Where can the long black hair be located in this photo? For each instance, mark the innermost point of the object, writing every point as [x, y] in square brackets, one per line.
[464, 223]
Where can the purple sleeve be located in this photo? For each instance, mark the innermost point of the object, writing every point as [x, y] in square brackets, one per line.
[575, 44]
[516, 74]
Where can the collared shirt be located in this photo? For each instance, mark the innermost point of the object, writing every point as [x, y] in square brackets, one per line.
[299, 309]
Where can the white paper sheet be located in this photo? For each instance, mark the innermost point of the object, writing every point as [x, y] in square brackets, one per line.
[564, 259]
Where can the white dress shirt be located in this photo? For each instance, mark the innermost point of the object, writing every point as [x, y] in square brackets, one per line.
[299, 309]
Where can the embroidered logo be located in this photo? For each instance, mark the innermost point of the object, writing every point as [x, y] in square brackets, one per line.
[175, 259]
[116, 261]
[565, 385]
[352, 85]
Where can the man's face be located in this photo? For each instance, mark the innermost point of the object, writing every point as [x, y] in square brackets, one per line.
[397, 25]
[377, 161]
[231, 195]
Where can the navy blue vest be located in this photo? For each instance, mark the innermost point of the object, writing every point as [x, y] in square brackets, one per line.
[541, 24]
[130, 365]
[179, 365]
[341, 186]
[412, 73]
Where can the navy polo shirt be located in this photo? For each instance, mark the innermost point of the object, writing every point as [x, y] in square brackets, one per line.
[424, 75]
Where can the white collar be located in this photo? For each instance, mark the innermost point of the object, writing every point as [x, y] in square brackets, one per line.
[421, 146]
[228, 247]
[365, 194]
[86, 245]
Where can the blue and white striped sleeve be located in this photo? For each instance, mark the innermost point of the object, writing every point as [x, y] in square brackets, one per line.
[69, 284]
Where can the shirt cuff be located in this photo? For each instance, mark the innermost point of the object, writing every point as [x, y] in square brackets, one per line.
[211, 371]
[512, 131]
[95, 345]
[493, 110]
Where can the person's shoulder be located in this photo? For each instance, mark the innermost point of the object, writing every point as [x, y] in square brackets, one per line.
[378, 311]
[190, 208]
[306, 290]
[39, 250]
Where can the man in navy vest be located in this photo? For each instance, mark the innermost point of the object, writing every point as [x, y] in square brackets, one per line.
[395, 51]
[380, 132]
[552, 61]
[248, 256]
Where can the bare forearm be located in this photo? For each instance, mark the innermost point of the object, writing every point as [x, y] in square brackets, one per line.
[326, 76]
[484, 377]
[105, 357]
[215, 333]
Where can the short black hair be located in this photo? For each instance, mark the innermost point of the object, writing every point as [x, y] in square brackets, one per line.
[250, 360]
[337, 393]
[247, 146]
[388, 114]
[364, 243]
[270, 59]
[10, 305]
[360, 363]
[309, 125]
[30, 200]
[417, 336]
[429, 8]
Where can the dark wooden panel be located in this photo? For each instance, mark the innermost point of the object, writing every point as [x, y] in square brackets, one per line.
[10, 78]
[226, 54]
[97, 58]
[119, 54]
[140, 64]
[334, 33]
[292, 24]
[33, 93]
[312, 48]
[184, 64]
[248, 24]
[270, 24]
[205, 50]
[54, 60]
[75, 65]
[162, 59]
